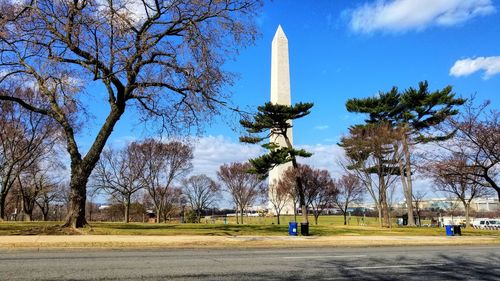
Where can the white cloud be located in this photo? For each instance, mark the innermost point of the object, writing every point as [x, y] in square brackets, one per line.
[212, 151]
[490, 66]
[325, 156]
[136, 11]
[404, 15]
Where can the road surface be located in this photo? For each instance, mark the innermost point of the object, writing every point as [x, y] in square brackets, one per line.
[377, 263]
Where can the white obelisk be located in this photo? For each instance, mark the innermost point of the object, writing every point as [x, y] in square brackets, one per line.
[280, 94]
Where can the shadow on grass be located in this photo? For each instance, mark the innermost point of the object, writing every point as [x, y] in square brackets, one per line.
[116, 228]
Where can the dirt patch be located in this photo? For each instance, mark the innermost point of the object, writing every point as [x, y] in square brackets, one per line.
[186, 241]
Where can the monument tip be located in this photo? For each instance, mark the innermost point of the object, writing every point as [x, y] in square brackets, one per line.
[279, 32]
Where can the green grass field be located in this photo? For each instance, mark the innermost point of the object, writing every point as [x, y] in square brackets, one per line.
[260, 226]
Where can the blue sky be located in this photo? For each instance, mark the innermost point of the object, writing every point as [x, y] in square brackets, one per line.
[344, 49]
[331, 60]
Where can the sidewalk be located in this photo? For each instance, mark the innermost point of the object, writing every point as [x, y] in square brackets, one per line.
[131, 241]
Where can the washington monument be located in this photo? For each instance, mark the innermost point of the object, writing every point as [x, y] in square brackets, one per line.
[280, 94]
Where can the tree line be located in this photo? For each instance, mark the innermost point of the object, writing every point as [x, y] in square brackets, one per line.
[163, 61]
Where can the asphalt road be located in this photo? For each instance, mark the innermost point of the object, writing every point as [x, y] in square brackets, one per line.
[377, 263]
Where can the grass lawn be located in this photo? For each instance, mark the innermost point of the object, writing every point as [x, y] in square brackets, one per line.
[328, 226]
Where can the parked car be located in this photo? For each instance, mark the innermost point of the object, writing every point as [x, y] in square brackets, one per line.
[486, 223]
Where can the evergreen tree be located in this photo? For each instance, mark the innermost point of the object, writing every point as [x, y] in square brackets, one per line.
[271, 125]
[414, 112]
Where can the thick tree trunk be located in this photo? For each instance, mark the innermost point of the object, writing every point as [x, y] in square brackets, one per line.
[78, 196]
[304, 213]
[127, 209]
[467, 217]
[158, 212]
[82, 168]
[385, 212]
[45, 215]
[80, 173]
[407, 182]
[379, 209]
[27, 212]
[3, 215]
[345, 218]
[278, 217]
[383, 202]
[27, 207]
[27, 217]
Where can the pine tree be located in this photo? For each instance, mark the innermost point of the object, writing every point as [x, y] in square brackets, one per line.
[414, 113]
[272, 122]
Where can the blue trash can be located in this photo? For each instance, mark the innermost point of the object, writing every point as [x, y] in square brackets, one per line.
[292, 228]
[449, 230]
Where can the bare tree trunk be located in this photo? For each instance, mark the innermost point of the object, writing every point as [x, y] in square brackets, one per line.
[294, 211]
[241, 210]
[27, 216]
[385, 215]
[158, 212]
[383, 202]
[379, 209]
[345, 218]
[278, 217]
[407, 178]
[316, 216]
[6, 187]
[27, 211]
[467, 218]
[300, 187]
[3, 216]
[78, 196]
[127, 209]
[45, 215]
[304, 213]
[82, 168]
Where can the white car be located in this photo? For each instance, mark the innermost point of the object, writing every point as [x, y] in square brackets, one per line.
[486, 223]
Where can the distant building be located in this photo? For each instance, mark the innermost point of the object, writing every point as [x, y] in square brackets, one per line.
[488, 204]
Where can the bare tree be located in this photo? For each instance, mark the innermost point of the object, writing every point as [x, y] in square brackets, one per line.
[172, 204]
[418, 197]
[477, 141]
[319, 188]
[163, 58]
[49, 196]
[119, 174]
[288, 184]
[25, 139]
[33, 184]
[459, 185]
[243, 186]
[164, 163]
[201, 193]
[372, 157]
[279, 196]
[350, 190]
